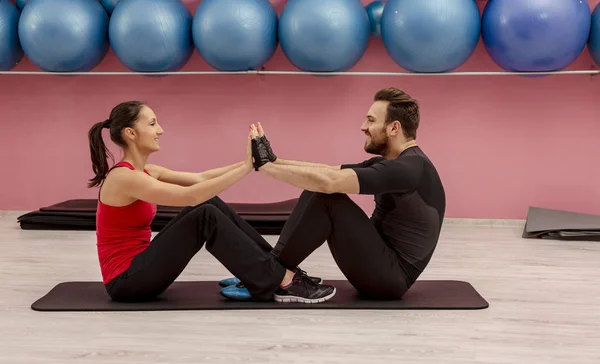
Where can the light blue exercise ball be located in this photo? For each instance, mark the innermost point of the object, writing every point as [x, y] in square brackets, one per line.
[152, 35]
[64, 35]
[535, 35]
[430, 36]
[324, 35]
[10, 47]
[109, 5]
[375, 10]
[594, 40]
[235, 35]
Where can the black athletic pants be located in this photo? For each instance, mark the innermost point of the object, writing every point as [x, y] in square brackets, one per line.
[230, 239]
[367, 261]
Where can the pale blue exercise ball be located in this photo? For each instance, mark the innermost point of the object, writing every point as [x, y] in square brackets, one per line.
[324, 35]
[430, 36]
[10, 47]
[235, 35]
[535, 35]
[151, 35]
[64, 35]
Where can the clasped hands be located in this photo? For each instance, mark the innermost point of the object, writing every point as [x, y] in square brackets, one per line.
[259, 150]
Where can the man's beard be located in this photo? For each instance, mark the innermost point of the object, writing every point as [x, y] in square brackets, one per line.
[379, 147]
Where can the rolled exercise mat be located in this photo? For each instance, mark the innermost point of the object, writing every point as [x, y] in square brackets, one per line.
[204, 295]
[80, 214]
[544, 223]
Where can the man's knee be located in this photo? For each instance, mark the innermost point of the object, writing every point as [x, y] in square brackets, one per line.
[307, 193]
[331, 197]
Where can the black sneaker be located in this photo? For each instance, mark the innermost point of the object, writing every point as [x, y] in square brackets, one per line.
[232, 281]
[304, 290]
[317, 280]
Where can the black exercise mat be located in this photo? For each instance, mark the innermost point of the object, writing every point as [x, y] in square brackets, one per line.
[284, 207]
[561, 225]
[204, 295]
[80, 214]
[265, 225]
[571, 235]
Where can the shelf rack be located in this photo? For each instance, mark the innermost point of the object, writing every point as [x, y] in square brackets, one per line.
[303, 73]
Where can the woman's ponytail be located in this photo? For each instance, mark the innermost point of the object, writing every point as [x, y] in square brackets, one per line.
[99, 153]
[122, 116]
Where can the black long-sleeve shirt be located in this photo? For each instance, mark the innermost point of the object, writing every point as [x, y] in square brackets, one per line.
[410, 204]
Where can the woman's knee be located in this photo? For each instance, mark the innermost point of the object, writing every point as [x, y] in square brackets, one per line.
[193, 209]
[189, 214]
[207, 211]
[204, 207]
[215, 201]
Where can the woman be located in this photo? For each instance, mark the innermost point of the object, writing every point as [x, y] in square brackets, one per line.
[135, 267]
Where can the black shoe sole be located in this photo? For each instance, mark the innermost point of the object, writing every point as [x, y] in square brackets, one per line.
[296, 299]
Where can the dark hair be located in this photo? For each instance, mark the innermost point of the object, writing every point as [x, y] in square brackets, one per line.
[122, 116]
[401, 107]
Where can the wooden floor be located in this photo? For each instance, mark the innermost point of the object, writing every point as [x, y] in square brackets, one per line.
[544, 308]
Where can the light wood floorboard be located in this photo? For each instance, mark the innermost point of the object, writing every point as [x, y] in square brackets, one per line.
[544, 308]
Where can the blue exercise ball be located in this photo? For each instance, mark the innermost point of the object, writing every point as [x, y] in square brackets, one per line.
[535, 35]
[109, 5]
[431, 36]
[235, 35]
[594, 40]
[21, 4]
[10, 47]
[64, 35]
[324, 35]
[151, 35]
[374, 11]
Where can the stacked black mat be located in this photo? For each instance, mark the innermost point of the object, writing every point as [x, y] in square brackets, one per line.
[80, 214]
[561, 225]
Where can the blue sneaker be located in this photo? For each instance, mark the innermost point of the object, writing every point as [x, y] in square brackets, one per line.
[229, 282]
[237, 292]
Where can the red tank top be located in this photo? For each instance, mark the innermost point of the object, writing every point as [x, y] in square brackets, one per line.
[122, 233]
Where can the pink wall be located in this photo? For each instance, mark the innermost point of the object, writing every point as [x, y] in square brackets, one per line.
[501, 144]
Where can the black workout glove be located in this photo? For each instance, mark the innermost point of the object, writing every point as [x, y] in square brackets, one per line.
[265, 142]
[259, 153]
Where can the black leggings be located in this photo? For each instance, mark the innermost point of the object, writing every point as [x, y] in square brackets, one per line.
[369, 264]
[230, 239]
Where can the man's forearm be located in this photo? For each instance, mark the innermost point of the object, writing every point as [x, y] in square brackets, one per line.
[316, 179]
[213, 173]
[288, 162]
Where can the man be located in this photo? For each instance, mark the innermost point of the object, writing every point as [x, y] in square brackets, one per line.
[381, 256]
